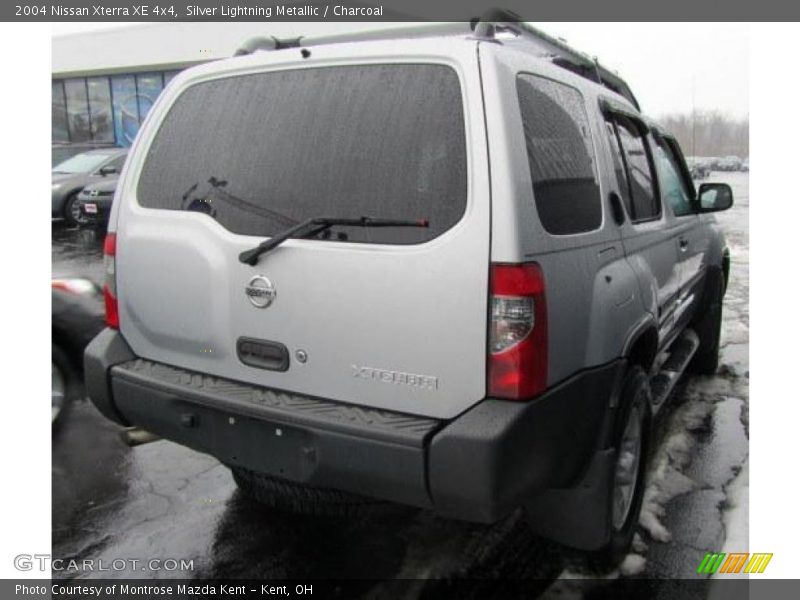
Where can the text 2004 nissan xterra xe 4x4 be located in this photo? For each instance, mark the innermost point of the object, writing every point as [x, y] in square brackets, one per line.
[458, 271]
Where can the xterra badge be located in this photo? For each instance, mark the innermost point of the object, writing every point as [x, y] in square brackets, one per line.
[426, 382]
[260, 291]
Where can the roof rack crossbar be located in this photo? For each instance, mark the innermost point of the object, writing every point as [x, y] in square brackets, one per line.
[416, 31]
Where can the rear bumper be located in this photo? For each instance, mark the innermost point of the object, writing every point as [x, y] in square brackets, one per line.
[494, 458]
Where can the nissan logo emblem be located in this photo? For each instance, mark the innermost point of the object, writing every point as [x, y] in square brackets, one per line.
[260, 291]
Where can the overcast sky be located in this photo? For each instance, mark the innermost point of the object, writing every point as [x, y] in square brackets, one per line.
[671, 67]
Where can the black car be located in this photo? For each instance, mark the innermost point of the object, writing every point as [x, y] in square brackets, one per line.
[95, 200]
[78, 316]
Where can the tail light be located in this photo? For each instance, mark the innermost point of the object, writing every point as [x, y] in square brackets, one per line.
[110, 283]
[517, 332]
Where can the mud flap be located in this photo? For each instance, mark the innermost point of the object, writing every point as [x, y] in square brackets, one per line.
[577, 517]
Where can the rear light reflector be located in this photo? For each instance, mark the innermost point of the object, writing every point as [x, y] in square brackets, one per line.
[110, 282]
[517, 332]
[75, 285]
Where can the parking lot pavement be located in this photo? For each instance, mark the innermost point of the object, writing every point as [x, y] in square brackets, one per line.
[160, 500]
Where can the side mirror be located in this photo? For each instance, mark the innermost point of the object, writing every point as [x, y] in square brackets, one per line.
[715, 197]
[108, 170]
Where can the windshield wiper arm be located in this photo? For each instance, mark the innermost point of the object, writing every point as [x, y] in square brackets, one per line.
[319, 224]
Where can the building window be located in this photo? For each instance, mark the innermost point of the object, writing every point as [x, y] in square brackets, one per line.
[168, 76]
[148, 87]
[560, 156]
[100, 109]
[126, 109]
[60, 121]
[77, 110]
[104, 109]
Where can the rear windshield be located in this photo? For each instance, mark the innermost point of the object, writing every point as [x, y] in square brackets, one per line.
[260, 153]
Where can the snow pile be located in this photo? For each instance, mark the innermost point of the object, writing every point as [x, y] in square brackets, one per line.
[632, 565]
[666, 479]
[735, 512]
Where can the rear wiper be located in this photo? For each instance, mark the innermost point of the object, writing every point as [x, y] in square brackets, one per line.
[312, 227]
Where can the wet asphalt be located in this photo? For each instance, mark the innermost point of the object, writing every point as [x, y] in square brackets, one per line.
[161, 500]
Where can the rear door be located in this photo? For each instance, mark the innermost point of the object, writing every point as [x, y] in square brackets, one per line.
[392, 318]
[649, 237]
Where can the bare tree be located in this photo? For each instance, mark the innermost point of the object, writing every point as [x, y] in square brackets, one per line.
[710, 133]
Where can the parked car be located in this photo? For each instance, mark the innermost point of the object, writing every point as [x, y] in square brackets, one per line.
[415, 327]
[64, 150]
[95, 201]
[698, 168]
[730, 163]
[70, 177]
[77, 317]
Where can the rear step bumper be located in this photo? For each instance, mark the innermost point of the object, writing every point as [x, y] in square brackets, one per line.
[479, 466]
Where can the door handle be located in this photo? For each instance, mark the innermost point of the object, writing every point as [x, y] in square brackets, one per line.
[683, 244]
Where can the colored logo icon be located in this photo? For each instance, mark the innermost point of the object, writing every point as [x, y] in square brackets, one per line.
[732, 563]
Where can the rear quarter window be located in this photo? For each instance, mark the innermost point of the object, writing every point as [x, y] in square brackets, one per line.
[260, 153]
[560, 156]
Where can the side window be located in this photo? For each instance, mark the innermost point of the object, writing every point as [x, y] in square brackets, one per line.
[118, 163]
[560, 156]
[672, 183]
[643, 198]
[619, 164]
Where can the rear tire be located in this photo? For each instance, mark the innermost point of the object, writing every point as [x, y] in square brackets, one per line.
[708, 328]
[66, 387]
[631, 439]
[301, 499]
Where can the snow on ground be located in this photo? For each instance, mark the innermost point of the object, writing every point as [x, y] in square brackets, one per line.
[736, 511]
[666, 478]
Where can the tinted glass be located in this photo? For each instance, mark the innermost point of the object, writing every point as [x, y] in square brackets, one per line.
[619, 164]
[560, 156]
[77, 110]
[642, 186]
[100, 109]
[671, 181]
[262, 152]
[60, 126]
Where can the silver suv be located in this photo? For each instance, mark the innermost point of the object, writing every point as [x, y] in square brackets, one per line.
[456, 270]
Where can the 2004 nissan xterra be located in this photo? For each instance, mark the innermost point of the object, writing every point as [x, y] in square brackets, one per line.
[457, 270]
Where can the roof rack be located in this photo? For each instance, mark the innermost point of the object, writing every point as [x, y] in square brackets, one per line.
[484, 28]
[416, 31]
[494, 19]
[263, 43]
